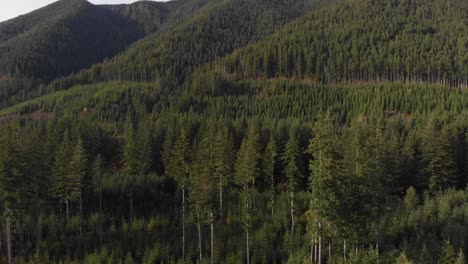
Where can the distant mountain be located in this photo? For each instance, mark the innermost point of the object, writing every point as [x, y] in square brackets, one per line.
[70, 35]
[213, 31]
[363, 40]
[74, 42]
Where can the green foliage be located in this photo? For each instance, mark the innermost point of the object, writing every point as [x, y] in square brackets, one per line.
[356, 41]
[448, 254]
[403, 259]
[230, 124]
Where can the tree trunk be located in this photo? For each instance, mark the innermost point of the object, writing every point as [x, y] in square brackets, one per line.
[81, 214]
[329, 252]
[66, 209]
[131, 206]
[272, 195]
[344, 250]
[292, 213]
[320, 249]
[248, 248]
[312, 250]
[100, 217]
[38, 225]
[377, 243]
[315, 250]
[8, 236]
[199, 235]
[212, 239]
[183, 223]
[221, 201]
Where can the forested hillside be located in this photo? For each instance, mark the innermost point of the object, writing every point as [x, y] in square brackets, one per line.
[214, 31]
[364, 41]
[120, 172]
[285, 131]
[70, 35]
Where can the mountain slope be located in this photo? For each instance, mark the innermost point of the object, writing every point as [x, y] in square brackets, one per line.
[63, 37]
[213, 31]
[364, 40]
[70, 35]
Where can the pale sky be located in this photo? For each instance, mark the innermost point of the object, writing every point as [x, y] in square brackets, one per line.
[13, 8]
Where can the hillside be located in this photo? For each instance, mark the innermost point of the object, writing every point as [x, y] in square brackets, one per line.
[359, 40]
[77, 34]
[213, 31]
[235, 131]
[70, 35]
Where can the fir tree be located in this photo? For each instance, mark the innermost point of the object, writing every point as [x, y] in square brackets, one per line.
[246, 171]
[292, 161]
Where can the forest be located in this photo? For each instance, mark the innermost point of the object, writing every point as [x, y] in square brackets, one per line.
[235, 131]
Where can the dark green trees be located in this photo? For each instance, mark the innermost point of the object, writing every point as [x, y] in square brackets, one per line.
[270, 161]
[179, 166]
[247, 170]
[436, 157]
[325, 179]
[69, 169]
[292, 161]
[10, 186]
[97, 177]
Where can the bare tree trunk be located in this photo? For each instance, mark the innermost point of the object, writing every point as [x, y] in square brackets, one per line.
[8, 235]
[344, 250]
[292, 213]
[199, 235]
[329, 252]
[66, 209]
[221, 201]
[38, 227]
[312, 250]
[248, 249]
[183, 222]
[212, 238]
[81, 214]
[320, 249]
[100, 217]
[272, 195]
[315, 250]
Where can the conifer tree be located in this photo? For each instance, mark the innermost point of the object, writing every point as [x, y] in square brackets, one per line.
[223, 156]
[10, 186]
[76, 171]
[202, 185]
[137, 156]
[179, 167]
[269, 164]
[97, 173]
[436, 157]
[292, 161]
[403, 259]
[246, 171]
[448, 254]
[324, 167]
[62, 188]
[460, 258]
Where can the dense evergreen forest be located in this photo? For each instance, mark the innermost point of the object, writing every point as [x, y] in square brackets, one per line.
[70, 35]
[235, 131]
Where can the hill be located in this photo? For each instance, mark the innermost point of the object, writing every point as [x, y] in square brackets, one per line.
[355, 40]
[215, 30]
[70, 35]
[239, 131]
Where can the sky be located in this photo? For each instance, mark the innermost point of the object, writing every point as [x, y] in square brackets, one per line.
[13, 8]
